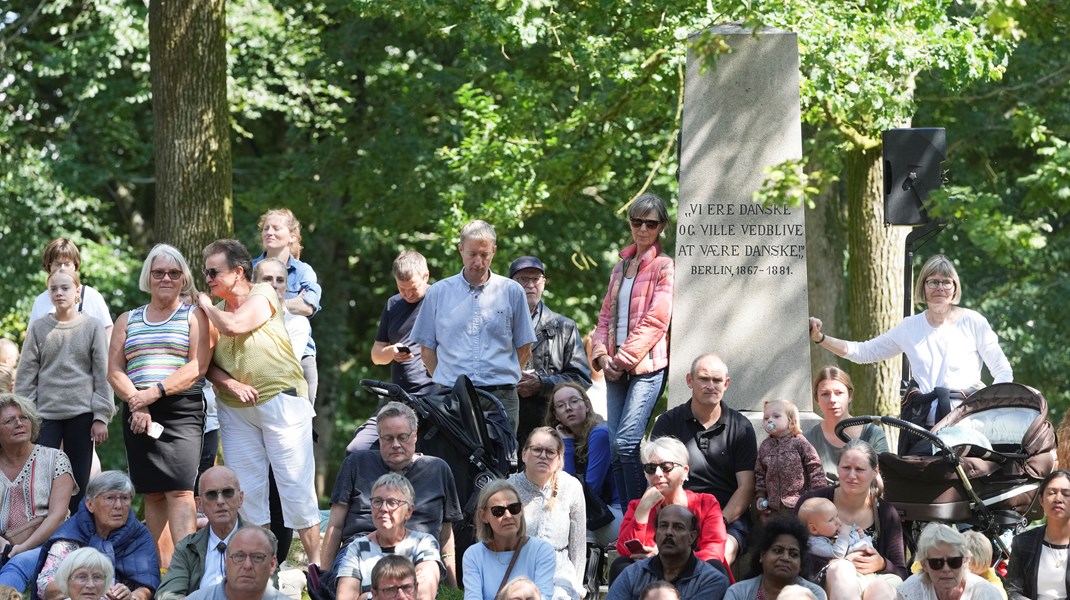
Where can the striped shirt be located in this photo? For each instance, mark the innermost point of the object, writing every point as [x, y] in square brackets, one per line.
[155, 350]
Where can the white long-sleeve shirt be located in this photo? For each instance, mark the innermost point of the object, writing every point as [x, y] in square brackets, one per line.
[947, 356]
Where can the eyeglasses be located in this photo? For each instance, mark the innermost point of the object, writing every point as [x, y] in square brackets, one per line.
[84, 578]
[391, 591]
[937, 284]
[953, 562]
[238, 558]
[526, 281]
[400, 438]
[16, 421]
[389, 503]
[543, 452]
[213, 495]
[570, 403]
[173, 274]
[213, 273]
[115, 499]
[650, 223]
[666, 467]
[499, 511]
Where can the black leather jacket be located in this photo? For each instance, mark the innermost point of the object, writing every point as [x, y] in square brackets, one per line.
[557, 354]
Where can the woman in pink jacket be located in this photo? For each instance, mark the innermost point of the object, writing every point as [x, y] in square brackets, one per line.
[631, 344]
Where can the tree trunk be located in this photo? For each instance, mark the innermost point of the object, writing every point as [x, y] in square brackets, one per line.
[875, 271]
[188, 59]
[826, 244]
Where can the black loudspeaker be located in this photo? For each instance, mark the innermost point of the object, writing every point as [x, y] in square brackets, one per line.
[912, 160]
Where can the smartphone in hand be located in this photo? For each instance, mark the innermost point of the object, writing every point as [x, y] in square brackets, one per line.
[635, 546]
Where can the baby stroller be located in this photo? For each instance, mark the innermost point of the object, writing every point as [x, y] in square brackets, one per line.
[465, 427]
[990, 455]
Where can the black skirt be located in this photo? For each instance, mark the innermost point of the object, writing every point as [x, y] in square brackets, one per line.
[169, 463]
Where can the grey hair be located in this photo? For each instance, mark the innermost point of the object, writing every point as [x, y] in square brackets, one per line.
[936, 534]
[478, 230]
[668, 447]
[795, 592]
[257, 272]
[396, 409]
[268, 536]
[84, 558]
[646, 203]
[409, 265]
[109, 481]
[28, 409]
[166, 252]
[938, 264]
[399, 483]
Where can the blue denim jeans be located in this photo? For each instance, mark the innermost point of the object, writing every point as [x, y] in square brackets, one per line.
[18, 571]
[629, 404]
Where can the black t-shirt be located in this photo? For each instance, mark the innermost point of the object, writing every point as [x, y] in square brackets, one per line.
[716, 454]
[395, 326]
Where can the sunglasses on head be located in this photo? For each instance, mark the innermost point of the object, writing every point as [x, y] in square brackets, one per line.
[953, 562]
[666, 467]
[499, 511]
[213, 495]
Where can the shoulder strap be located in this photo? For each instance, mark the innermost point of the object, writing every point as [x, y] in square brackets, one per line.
[512, 563]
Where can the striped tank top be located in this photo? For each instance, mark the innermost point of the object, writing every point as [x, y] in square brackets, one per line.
[155, 350]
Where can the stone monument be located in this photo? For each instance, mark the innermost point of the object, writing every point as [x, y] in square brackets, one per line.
[740, 266]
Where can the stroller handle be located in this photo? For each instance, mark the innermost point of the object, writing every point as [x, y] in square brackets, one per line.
[383, 388]
[898, 424]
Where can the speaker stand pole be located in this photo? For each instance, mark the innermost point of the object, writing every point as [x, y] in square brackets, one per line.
[917, 233]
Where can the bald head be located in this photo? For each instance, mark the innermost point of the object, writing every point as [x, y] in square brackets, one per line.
[708, 380]
[220, 498]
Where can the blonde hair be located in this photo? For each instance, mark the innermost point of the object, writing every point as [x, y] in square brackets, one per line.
[484, 532]
[938, 264]
[291, 223]
[790, 410]
[815, 507]
[980, 550]
[560, 443]
[507, 589]
[582, 432]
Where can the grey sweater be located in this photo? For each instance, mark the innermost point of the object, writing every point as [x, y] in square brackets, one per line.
[64, 368]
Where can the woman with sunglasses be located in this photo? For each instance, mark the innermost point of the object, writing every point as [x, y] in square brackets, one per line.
[505, 551]
[665, 464]
[945, 569]
[631, 346]
[156, 364]
[587, 454]
[944, 344]
[392, 502]
[554, 509]
[1039, 567]
[262, 397]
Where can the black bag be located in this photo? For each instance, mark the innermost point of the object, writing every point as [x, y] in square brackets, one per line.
[596, 570]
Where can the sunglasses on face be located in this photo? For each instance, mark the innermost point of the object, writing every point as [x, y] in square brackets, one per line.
[666, 467]
[499, 511]
[173, 274]
[213, 273]
[650, 223]
[953, 562]
[213, 495]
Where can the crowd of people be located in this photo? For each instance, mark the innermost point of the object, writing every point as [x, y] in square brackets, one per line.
[696, 509]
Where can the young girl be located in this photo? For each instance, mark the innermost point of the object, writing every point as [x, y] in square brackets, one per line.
[64, 370]
[788, 466]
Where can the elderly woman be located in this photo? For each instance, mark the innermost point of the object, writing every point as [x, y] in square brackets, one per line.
[106, 523]
[833, 392]
[945, 345]
[665, 463]
[36, 486]
[86, 574]
[1038, 566]
[159, 354]
[630, 343]
[265, 417]
[392, 503]
[876, 571]
[587, 454]
[779, 562]
[505, 551]
[945, 573]
[554, 509]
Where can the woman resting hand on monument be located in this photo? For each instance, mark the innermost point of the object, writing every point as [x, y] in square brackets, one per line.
[945, 345]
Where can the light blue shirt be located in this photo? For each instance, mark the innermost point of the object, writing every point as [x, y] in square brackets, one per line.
[475, 330]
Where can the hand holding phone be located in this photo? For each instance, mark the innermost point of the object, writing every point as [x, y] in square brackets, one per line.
[403, 349]
[635, 546]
